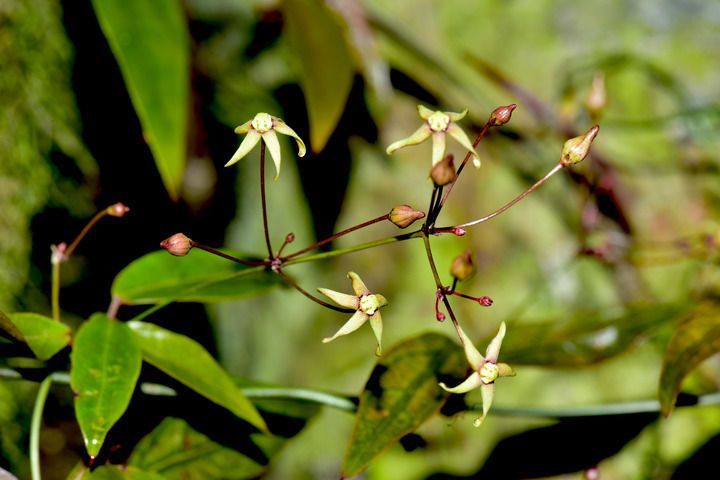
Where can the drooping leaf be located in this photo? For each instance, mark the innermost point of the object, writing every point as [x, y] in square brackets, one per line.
[694, 340]
[401, 394]
[105, 366]
[188, 362]
[317, 37]
[151, 44]
[44, 336]
[197, 277]
[584, 340]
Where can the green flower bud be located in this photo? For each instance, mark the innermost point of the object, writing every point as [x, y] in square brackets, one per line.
[576, 149]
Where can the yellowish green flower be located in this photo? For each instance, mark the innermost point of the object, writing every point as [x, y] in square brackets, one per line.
[437, 125]
[366, 305]
[264, 126]
[485, 370]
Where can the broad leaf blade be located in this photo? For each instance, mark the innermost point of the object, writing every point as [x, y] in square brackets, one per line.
[44, 336]
[112, 472]
[188, 362]
[150, 43]
[695, 339]
[105, 367]
[317, 38]
[585, 340]
[197, 277]
[10, 328]
[401, 394]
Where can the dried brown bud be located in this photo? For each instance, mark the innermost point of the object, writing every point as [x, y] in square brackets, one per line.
[463, 266]
[117, 210]
[576, 149]
[597, 96]
[178, 245]
[501, 115]
[443, 173]
[404, 215]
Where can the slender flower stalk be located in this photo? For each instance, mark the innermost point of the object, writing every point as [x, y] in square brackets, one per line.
[291, 281]
[36, 427]
[264, 201]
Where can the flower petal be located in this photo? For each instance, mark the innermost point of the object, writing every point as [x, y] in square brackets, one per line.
[438, 150]
[244, 128]
[377, 328]
[458, 134]
[271, 140]
[282, 127]
[474, 358]
[357, 284]
[246, 145]
[355, 322]
[424, 112]
[505, 370]
[473, 381]
[418, 136]
[455, 116]
[488, 392]
[381, 300]
[493, 350]
[342, 299]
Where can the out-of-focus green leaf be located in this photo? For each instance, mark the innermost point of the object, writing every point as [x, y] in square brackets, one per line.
[585, 340]
[318, 40]
[188, 362]
[112, 472]
[105, 367]
[44, 336]
[197, 277]
[695, 339]
[150, 42]
[401, 394]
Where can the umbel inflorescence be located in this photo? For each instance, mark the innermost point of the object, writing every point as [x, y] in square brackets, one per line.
[364, 305]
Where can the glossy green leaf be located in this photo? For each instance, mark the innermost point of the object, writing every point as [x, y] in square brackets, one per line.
[317, 38]
[694, 340]
[9, 327]
[401, 394]
[112, 472]
[151, 44]
[188, 362]
[586, 339]
[105, 366]
[44, 336]
[197, 277]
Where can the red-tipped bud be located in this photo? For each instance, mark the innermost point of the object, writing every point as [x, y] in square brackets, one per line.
[289, 238]
[485, 301]
[178, 245]
[57, 255]
[404, 215]
[463, 266]
[117, 210]
[440, 317]
[501, 115]
[458, 231]
[576, 149]
[443, 173]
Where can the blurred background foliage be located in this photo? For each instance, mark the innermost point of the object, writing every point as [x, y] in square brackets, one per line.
[568, 268]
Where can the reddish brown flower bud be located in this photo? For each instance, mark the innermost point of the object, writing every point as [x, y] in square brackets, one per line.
[289, 238]
[485, 301]
[178, 245]
[458, 231]
[404, 215]
[443, 173]
[463, 266]
[440, 317]
[501, 115]
[117, 210]
[576, 149]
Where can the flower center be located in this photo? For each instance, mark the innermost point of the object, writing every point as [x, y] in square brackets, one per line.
[369, 304]
[488, 372]
[262, 122]
[438, 122]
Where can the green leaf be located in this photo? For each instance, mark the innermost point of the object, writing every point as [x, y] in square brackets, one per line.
[401, 394]
[112, 472]
[198, 277]
[10, 328]
[188, 362]
[694, 340]
[584, 340]
[317, 38]
[105, 365]
[44, 336]
[150, 42]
